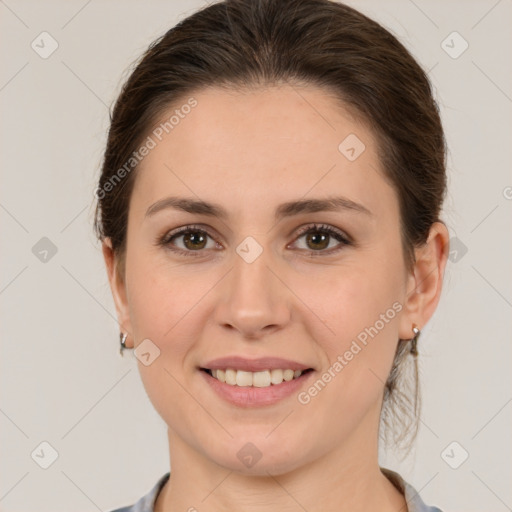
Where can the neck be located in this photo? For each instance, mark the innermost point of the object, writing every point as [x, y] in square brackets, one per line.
[342, 480]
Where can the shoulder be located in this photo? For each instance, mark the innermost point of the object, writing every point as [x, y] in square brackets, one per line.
[147, 502]
[412, 497]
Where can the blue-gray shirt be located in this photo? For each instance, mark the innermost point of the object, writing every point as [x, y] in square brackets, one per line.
[414, 502]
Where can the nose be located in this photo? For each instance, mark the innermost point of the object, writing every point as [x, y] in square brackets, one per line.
[254, 300]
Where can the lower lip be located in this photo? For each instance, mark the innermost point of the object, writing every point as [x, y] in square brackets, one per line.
[250, 396]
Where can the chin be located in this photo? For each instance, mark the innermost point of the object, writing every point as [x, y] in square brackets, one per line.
[260, 458]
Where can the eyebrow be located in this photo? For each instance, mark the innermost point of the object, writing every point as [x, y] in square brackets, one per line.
[288, 209]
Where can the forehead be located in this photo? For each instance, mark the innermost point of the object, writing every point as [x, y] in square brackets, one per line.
[275, 143]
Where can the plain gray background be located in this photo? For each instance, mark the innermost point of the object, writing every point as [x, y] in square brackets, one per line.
[62, 379]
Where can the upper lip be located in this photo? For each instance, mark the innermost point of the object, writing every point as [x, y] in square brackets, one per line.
[254, 365]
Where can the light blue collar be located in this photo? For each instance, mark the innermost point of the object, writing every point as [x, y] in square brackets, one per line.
[414, 502]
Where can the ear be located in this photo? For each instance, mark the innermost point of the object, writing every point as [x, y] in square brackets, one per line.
[425, 281]
[118, 288]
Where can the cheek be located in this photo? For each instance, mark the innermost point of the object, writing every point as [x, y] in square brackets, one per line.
[162, 301]
[351, 297]
[160, 294]
[359, 307]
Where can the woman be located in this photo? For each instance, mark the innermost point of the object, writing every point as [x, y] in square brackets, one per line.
[269, 212]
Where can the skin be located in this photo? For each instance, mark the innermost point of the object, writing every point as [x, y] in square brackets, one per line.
[278, 144]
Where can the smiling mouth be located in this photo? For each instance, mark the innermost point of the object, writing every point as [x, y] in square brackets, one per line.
[261, 379]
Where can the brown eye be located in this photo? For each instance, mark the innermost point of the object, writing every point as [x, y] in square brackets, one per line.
[194, 240]
[318, 239]
[188, 241]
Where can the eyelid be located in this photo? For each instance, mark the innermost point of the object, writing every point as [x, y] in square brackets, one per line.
[324, 227]
[189, 227]
[343, 239]
[168, 236]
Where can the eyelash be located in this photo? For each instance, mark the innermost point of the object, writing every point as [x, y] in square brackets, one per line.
[165, 240]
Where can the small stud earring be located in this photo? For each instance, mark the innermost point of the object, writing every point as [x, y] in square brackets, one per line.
[122, 341]
[414, 340]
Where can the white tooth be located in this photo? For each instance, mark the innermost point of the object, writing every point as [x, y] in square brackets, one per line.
[261, 379]
[288, 375]
[257, 379]
[231, 377]
[276, 376]
[243, 378]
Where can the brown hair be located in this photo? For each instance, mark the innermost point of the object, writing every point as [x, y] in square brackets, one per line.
[247, 43]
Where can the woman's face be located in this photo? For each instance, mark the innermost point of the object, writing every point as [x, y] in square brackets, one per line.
[253, 284]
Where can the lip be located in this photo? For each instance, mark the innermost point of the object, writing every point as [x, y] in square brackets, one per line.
[248, 396]
[254, 365]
